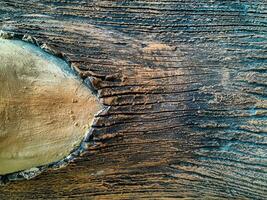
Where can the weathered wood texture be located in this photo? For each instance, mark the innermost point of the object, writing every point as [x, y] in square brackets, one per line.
[186, 85]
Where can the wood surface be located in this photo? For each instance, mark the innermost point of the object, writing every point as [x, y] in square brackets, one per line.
[185, 86]
[45, 110]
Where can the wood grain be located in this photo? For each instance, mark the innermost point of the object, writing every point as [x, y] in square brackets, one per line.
[186, 86]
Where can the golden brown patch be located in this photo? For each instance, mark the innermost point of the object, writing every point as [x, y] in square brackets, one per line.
[157, 47]
[44, 110]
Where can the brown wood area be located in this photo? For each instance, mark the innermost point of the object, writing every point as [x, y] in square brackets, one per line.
[186, 86]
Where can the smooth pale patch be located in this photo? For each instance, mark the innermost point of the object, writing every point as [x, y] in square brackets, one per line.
[45, 110]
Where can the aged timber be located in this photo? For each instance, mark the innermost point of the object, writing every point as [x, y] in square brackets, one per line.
[186, 82]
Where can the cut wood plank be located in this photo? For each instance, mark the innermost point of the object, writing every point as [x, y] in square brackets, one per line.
[45, 111]
[186, 86]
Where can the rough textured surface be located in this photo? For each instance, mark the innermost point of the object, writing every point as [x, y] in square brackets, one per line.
[186, 82]
[45, 110]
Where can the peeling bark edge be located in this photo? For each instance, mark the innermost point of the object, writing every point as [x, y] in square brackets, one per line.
[88, 138]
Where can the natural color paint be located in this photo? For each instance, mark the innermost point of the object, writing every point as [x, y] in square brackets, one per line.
[45, 110]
